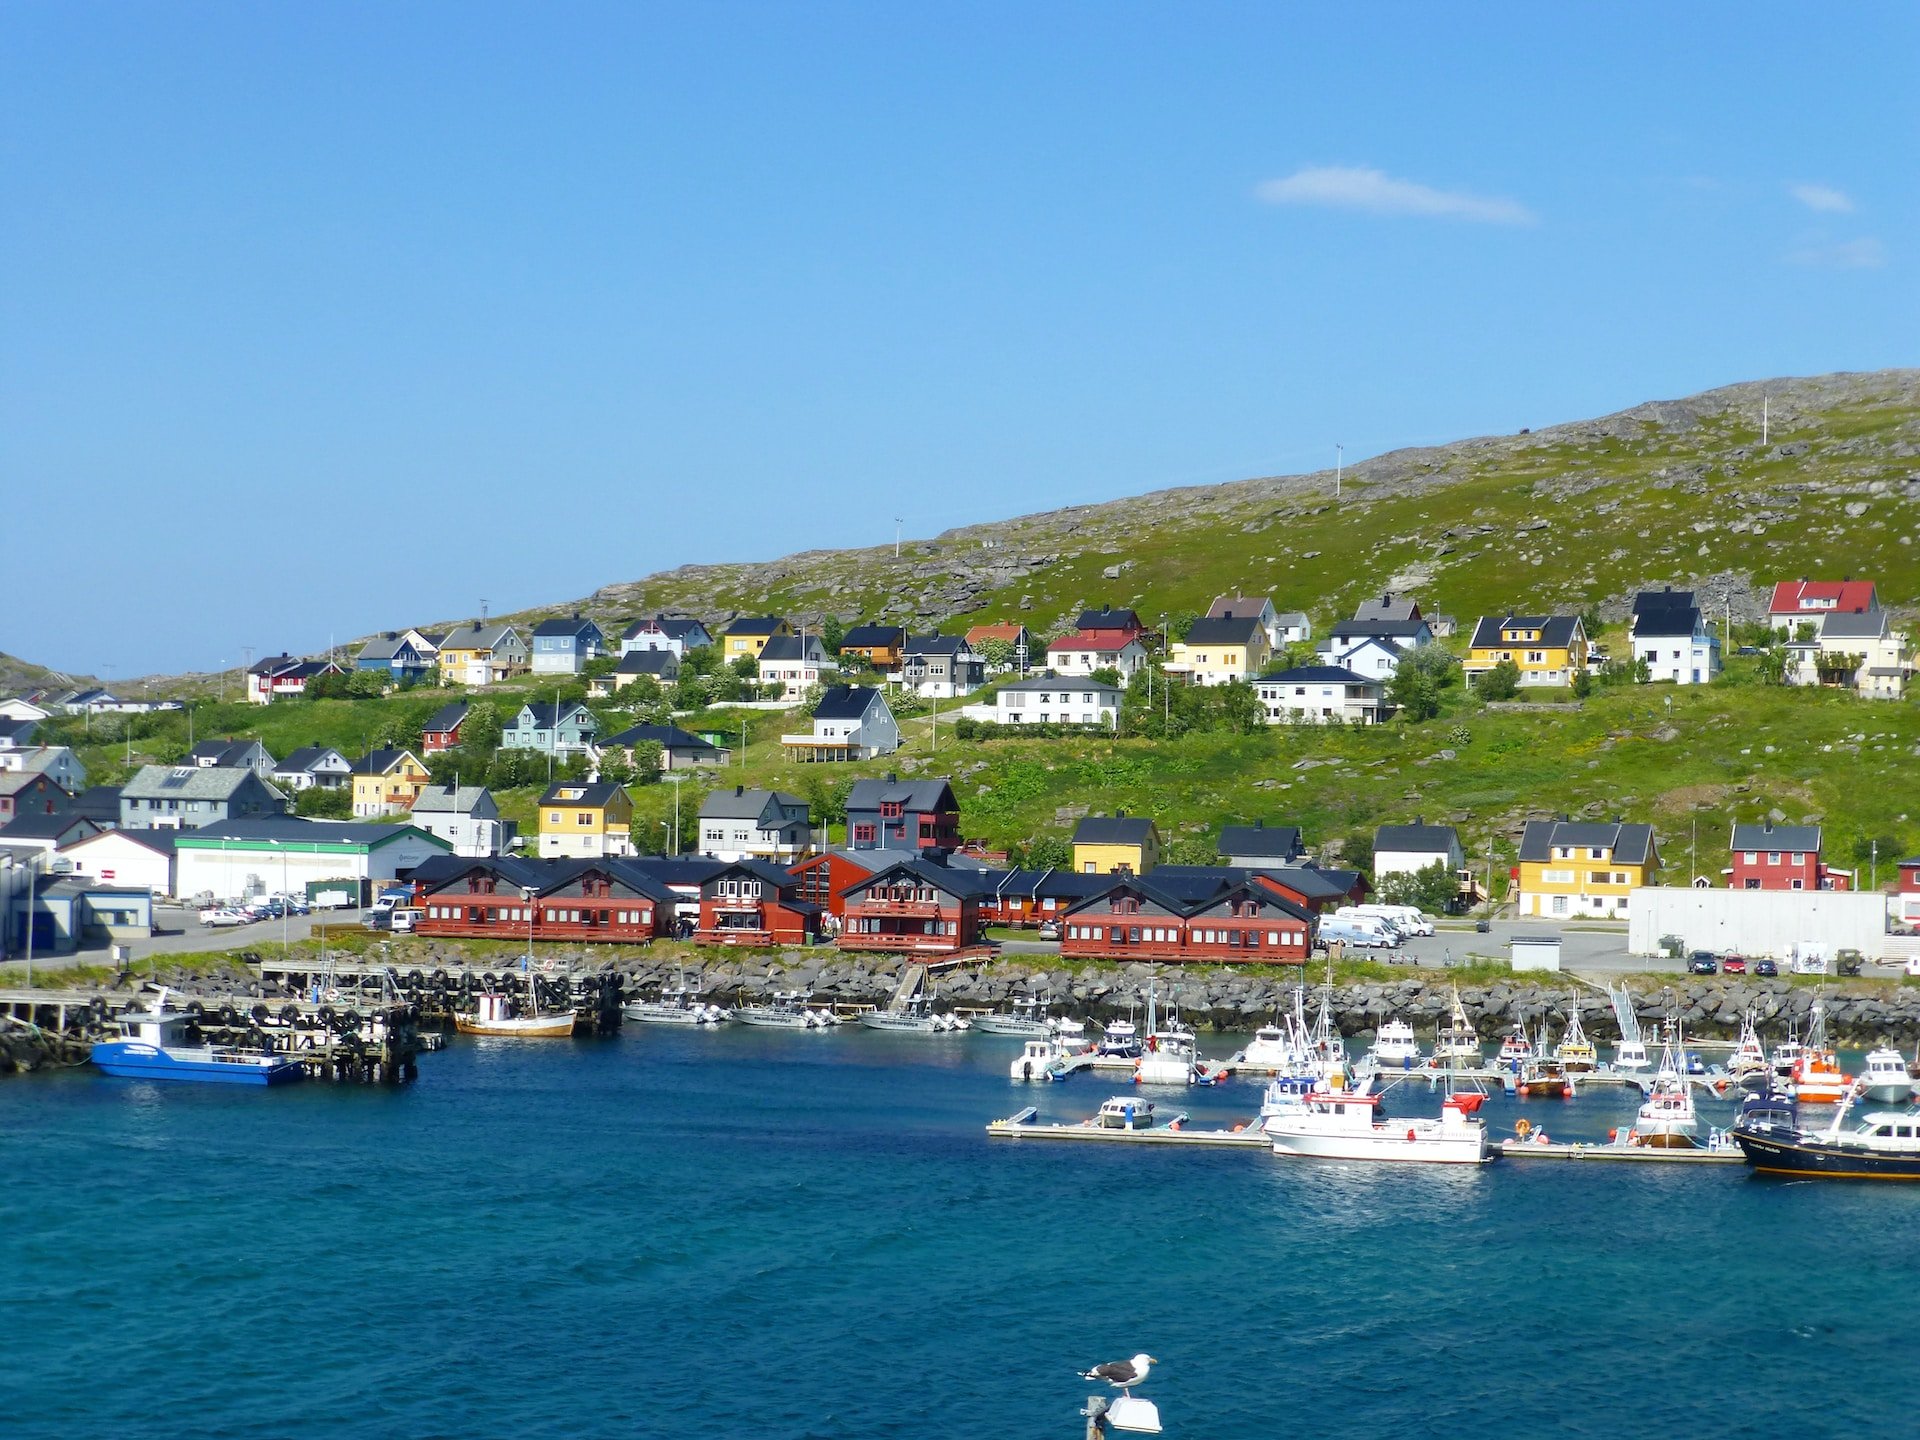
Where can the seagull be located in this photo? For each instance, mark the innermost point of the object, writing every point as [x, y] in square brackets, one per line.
[1123, 1375]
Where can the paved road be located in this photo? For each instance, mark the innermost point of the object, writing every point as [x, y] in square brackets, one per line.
[186, 935]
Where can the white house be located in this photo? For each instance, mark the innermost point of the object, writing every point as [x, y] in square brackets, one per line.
[238, 859]
[15, 707]
[1409, 849]
[314, 766]
[142, 859]
[1669, 633]
[1050, 700]
[465, 816]
[1084, 652]
[742, 824]
[1317, 695]
[1882, 666]
[795, 662]
[851, 722]
[1372, 657]
[673, 633]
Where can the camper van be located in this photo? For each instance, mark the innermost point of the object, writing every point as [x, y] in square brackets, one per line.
[1407, 919]
[1362, 932]
[1395, 928]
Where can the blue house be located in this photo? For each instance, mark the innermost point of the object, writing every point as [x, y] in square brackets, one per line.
[563, 647]
[395, 653]
[548, 727]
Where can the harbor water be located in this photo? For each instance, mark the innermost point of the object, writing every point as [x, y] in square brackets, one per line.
[697, 1234]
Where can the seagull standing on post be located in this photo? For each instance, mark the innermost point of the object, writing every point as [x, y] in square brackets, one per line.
[1123, 1375]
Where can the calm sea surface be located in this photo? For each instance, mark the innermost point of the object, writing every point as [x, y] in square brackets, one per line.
[754, 1233]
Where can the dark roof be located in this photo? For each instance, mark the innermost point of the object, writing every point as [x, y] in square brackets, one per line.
[1846, 625]
[549, 713]
[377, 762]
[1223, 630]
[1629, 844]
[678, 869]
[222, 752]
[18, 730]
[1380, 629]
[918, 796]
[98, 802]
[776, 875]
[1311, 881]
[298, 828]
[447, 718]
[861, 637]
[591, 792]
[1664, 612]
[845, 702]
[43, 827]
[1280, 841]
[667, 737]
[1668, 598]
[1316, 675]
[741, 803]
[1113, 830]
[1419, 838]
[1059, 682]
[674, 627]
[953, 882]
[755, 625]
[1804, 838]
[1388, 606]
[572, 625]
[936, 645]
[793, 647]
[158, 841]
[648, 662]
[304, 759]
[1108, 618]
[1556, 631]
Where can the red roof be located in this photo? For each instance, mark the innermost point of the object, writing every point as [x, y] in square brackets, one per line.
[1094, 640]
[1008, 633]
[1823, 597]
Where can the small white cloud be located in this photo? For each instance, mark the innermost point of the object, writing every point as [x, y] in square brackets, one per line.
[1824, 198]
[1866, 253]
[1344, 187]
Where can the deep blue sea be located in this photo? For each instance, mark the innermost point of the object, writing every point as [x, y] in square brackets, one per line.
[755, 1233]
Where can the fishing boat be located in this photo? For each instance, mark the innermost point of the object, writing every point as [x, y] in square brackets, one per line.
[1326, 1049]
[786, 1010]
[498, 1015]
[1882, 1145]
[1817, 1078]
[1267, 1053]
[1041, 1059]
[674, 1007]
[1748, 1063]
[1027, 1019]
[1630, 1051]
[1171, 1055]
[155, 1044]
[1395, 1048]
[1543, 1078]
[1349, 1125]
[1667, 1119]
[1576, 1052]
[1884, 1076]
[1120, 1039]
[1515, 1050]
[1456, 1044]
[916, 1017]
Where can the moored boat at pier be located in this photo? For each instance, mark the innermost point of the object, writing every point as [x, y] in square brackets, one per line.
[156, 1045]
[1882, 1145]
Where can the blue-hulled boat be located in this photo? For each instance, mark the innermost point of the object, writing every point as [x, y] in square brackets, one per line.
[155, 1048]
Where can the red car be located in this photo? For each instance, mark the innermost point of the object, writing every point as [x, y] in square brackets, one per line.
[1733, 965]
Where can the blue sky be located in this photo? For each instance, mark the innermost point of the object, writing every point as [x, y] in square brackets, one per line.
[321, 319]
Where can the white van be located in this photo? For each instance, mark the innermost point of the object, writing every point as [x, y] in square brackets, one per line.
[1364, 932]
[1396, 930]
[1408, 919]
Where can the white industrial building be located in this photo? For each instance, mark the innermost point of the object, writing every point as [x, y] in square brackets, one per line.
[135, 859]
[239, 859]
[1756, 922]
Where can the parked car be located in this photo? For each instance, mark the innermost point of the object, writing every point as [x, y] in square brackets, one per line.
[1848, 961]
[1733, 965]
[1049, 929]
[221, 917]
[1702, 962]
[1765, 967]
[377, 920]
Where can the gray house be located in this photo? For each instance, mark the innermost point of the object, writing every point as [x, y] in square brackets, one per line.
[313, 766]
[940, 666]
[232, 755]
[742, 824]
[465, 816]
[1261, 846]
[552, 727]
[184, 797]
[563, 647]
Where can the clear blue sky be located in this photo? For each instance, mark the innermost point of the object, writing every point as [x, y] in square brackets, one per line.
[323, 318]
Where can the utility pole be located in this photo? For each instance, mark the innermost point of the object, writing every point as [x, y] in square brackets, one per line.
[1489, 874]
[1339, 464]
[896, 537]
[1766, 402]
[1873, 863]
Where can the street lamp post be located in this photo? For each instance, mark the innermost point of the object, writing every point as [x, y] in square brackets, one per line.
[527, 893]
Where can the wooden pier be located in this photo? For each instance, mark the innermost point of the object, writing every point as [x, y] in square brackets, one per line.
[1642, 1154]
[1023, 1126]
[594, 996]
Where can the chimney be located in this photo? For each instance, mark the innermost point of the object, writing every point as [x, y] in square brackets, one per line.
[739, 790]
[1260, 824]
[1119, 814]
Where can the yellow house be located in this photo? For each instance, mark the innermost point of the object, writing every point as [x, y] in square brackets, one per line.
[1547, 649]
[1222, 648]
[1109, 844]
[749, 635]
[584, 820]
[387, 782]
[1569, 869]
[482, 654]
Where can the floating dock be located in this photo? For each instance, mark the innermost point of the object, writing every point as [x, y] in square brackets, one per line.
[1648, 1154]
[1025, 1126]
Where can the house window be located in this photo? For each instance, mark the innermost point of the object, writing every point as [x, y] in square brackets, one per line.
[1750, 857]
[1799, 857]
[1559, 904]
[1773, 857]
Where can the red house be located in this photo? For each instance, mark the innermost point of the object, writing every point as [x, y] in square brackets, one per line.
[823, 879]
[892, 814]
[1782, 857]
[915, 907]
[756, 904]
[1314, 889]
[578, 901]
[1798, 601]
[442, 731]
[1244, 922]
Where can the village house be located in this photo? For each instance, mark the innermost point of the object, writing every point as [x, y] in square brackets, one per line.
[278, 677]
[1906, 900]
[679, 749]
[185, 797]
[1782, 857]
[232, 755]
[1796, 602]
[794, 662]
[563, 647]
[1409, 849]
[879, 645]
[465, 816]
[940, 667]
[1017, 639]
[442, 730]
[676, 634]
[1219, 650]
[393, 654]
[755, 904]
[749, 635]
[1320, 695]
[1236, 922]
[28, 792]
[1260, 608]
[1569, 868]
[743, 824]
[17, 734]
[313, 767]
[44, 834]
[18, 707]
[1116, 844]
[560, 728]
[851, 722]
[595, 901]
[892, 814]
[57, 762]
[1668, 633]
[1261, 846]
[387, 782]
[585, 820]
[483, 654]
[913, 907]
[142, 859]
[1861, 652]
[1545, 649]
[660, 666]
[1085, 651]
[1051, 700]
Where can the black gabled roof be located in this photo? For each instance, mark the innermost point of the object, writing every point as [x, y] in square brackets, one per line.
[1223, 630]
[1113, 830]
[962, 883]
[1417, 838]
[755, 625]
[845, 702]
[592, 793]
[1629, 844]
[778, 876]
[674, 627]
[1141, 886]
[862, 637]
[1556, 631]
[1314, 675]
[1802, 838]
[1280, 841]
[98, 802]
[447, 718]
[570, 625]
[1108, 618]
[667, 737]
[919, 796]
[647, 662]
[949, 645]
[677, 869]
[1382, 629]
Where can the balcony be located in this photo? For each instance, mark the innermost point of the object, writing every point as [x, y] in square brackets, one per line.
[904, 909]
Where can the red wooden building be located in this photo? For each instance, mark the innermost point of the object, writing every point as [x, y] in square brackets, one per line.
[913, 907]
[1782, 857]
[1243, 922]
[823, 879]
[755, 904]
[587, 901]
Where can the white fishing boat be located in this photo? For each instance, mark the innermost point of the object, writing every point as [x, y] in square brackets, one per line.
[1396, 1048]
[674, 1007]
[1630, 1051]
[1884, 1078]
[1785, 1057]
[1749, 1059]
[1516, 1049]
[1667, 1119]
[786, 1010]
[1456, 1044]
[1326, 1049]
[1124, 1112]
[1119, 1040]
[1348, 1125]
[1576, 1052]
[1267, 1053]
[1171, 1055]
[1027, 1019]
[498, 1015]
[916, 1017]
[1041, 1059]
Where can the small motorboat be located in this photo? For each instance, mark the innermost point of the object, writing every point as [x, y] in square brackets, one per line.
[1038, 1058]
[1347, 1125]
[1884, 1077]
[1124, 1112]
[1543, 1079]
[786, 1010]
[1027, 1019]
[158, 1044]
[1395, 1048]
[1882, 1145]
[1120, 1039]
[916, 1017]
[674, 1007]
[1267, 1053]
[1516, 1050]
